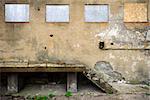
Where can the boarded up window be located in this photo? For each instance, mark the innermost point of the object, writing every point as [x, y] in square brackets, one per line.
[57, 13]
[135, 12]
[96, 13]
[16, 12]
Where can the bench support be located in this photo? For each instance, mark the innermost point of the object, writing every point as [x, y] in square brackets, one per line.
[72, 82]
[12, 83]
[1, 84]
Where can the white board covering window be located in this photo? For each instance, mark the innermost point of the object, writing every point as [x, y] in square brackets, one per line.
[96, 13]
[57, 13]
[16, 12]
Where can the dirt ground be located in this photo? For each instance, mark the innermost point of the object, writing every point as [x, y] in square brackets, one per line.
[85, 92]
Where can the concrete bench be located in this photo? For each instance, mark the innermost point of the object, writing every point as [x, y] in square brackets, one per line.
[14, 83]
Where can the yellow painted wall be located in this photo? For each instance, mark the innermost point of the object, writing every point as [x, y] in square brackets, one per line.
[76, 40]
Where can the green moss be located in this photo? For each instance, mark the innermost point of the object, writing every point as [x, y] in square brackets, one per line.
[134, 82]
[148, 94]
[41, 98]
[51, 95]
[68, 94]
[29, 97]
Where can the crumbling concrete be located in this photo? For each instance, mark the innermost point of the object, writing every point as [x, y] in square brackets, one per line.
[111, 81]
[105, 71]
[102, 75]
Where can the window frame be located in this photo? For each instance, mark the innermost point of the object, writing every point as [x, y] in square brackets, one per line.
[17, 4]
[108, 13]
[57, 21]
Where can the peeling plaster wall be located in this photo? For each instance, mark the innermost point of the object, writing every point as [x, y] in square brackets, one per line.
[77, 40]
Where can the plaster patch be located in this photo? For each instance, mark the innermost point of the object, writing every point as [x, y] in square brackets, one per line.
[118, 34]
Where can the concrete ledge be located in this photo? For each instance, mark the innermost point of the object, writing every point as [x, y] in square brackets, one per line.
[40, 67]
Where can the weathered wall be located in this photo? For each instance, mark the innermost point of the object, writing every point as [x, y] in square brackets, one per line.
[77, 40]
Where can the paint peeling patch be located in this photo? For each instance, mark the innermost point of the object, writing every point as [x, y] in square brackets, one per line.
[121, 37]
